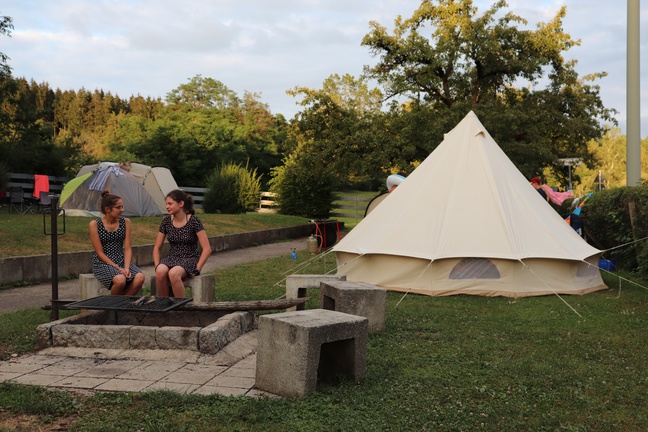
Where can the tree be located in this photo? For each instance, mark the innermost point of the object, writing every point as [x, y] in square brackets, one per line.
[342, 127]
[202, 92]
[6, 25]
[449, 60]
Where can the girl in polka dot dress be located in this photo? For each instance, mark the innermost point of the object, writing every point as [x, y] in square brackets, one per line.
[184, 231]
[111, 240]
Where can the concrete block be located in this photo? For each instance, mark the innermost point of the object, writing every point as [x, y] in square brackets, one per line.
[296, 348]
[91, 287]
[356, 298]
[203, 287]
[297, 284]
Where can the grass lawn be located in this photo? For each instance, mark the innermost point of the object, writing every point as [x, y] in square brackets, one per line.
[457, 363]
[23, 235]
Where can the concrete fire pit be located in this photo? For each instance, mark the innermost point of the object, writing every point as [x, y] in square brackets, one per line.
[203, 331]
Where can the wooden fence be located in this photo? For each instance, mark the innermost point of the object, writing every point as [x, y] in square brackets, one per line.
[26, 182]
[349, 206]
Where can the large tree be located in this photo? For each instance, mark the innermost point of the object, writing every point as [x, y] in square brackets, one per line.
[449, 60]
[342, 125]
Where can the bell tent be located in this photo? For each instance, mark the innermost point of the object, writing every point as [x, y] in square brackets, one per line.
[142, 188]
[467, 221]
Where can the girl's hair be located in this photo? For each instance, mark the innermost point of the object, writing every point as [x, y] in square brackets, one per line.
[177, 195]
[108, 200]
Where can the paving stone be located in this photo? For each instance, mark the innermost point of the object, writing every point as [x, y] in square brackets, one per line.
[80, 382]
[38, 379]
[9, 376]
[240, 372]
[229, 381]
[153, 371]
[194, 374]
[124, 385]
[111, 369]
[20, 367]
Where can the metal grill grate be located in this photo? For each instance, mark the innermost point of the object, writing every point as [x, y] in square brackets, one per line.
[128, 303]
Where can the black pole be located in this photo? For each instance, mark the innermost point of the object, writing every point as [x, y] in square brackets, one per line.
[54, 316]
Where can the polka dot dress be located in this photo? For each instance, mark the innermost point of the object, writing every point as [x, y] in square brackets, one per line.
[183, 242]
[113, 246]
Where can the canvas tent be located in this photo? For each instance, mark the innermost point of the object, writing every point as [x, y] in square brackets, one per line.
[142, 188]
[467, 221]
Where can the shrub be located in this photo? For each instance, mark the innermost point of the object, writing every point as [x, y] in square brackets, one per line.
[304, 188]
[232, 189]
[615, 218]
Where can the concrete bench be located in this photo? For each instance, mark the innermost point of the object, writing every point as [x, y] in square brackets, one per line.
[91, 287]
[297, 284]
[356, 298]
[203, 289]
[296, 348]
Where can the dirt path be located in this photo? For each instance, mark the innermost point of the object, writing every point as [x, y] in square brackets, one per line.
[40, 295]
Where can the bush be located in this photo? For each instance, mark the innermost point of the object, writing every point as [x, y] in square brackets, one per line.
[232, 189]
[609, 223]
[304, 188]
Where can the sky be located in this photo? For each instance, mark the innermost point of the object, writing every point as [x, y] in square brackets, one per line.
[150, 47]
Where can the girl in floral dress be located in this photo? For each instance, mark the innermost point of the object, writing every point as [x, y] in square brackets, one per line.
[185, 232]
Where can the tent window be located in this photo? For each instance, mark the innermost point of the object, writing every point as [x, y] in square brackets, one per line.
[474, 268]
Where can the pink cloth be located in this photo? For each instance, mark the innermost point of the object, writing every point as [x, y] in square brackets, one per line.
[556, 197]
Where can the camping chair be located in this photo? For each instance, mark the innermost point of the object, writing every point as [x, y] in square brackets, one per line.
[16, 201]
[44, 201]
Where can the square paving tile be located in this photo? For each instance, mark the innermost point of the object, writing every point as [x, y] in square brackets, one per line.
[152, 371]
[9, 376]
[233, 382]
[124, 385]
[80, 382]
[111, 369]
[19, 367]
[236, 371]
[39, 379]
[194, 374]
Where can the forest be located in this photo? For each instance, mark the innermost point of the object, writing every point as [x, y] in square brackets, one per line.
[445, 60]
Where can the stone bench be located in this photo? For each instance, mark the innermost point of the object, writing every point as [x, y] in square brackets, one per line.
[203, 287]
[356, 298]
[297, 284]
[91, 287]
[296, 348]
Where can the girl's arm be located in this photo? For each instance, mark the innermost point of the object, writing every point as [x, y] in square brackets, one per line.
[157, 247]
[128, 250]
[206, 249]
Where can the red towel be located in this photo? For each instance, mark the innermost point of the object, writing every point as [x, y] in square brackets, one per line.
[41, 184]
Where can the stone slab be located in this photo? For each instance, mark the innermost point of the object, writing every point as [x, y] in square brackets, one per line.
[356, 298]
[297, 284]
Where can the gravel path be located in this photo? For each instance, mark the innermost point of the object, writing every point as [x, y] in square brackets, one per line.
[40, 295]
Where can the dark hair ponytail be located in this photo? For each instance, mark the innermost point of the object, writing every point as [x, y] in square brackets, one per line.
[178, 195]
[108, 200]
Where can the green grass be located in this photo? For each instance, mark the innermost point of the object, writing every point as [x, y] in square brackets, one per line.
[23, 235]
[443, 363]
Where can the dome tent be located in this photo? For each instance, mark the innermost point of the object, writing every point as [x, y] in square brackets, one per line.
[141, 187]
[467, 221]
